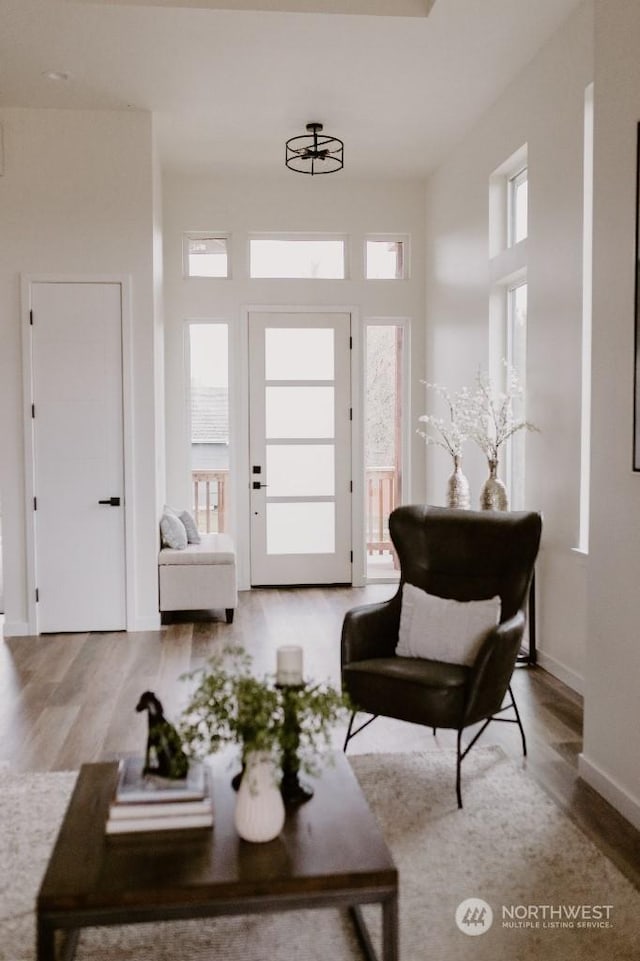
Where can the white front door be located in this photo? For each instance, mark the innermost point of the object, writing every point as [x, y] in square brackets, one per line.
[76, 357]
[300, 448]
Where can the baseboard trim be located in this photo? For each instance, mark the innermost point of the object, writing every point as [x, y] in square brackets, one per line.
[16, 629]
[150, 623]
[561, 671]
[610, 789]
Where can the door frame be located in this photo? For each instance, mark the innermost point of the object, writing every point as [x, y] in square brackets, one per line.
[124, 282]
[243, 514]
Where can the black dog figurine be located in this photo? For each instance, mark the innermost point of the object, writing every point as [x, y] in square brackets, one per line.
[164, 756]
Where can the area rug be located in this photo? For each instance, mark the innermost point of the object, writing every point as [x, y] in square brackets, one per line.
[523, 882]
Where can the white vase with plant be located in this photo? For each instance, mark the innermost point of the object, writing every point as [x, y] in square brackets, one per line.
[230, 706]
[259, 814]
[450, 436]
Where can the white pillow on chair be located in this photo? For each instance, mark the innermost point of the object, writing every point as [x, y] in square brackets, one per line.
[442, 629]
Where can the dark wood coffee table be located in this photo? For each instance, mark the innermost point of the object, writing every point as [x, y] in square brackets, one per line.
[330, 854]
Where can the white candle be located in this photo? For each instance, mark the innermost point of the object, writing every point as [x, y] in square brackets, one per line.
[289, 664]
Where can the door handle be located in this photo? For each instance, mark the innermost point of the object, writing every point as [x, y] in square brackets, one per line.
[111, 501]
[257, 485]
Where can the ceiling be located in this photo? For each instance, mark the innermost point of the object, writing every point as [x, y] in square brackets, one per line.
[229, 86]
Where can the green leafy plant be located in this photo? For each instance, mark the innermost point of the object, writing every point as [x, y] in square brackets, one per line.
[315, 709]
[230, 706]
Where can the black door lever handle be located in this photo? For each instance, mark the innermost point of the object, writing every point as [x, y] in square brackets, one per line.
[111, 501]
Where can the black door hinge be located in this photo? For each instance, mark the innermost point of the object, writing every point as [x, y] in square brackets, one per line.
[33, 410]
[37, 595]
[35, 503]
[31, 317]
[351, 556]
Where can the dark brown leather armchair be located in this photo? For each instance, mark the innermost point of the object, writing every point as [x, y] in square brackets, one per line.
[458, 554]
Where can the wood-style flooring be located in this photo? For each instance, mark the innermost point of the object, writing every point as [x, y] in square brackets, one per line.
[67, 699]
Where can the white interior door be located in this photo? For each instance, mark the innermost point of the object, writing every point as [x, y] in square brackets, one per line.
[76, 356]
[300, 448]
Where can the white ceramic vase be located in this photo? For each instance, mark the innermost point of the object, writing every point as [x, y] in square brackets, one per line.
[259, 814]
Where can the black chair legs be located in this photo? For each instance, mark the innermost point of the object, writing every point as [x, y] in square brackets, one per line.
[519, 722]
[507, 720]
[460, 753]
[351, 733]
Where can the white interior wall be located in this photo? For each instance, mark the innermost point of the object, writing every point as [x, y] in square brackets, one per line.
[290, 203]
[543, 108]
[611, 761]
[76, 200]
[158, 328]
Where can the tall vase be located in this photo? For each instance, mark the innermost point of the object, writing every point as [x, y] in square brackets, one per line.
[458, 487]
[493, 495]
[259, 814]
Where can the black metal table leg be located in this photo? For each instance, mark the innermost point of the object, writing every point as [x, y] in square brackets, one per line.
[389, 930]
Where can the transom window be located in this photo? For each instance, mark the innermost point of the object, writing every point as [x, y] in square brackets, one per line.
[308, 258]
[206, 255]
[386, 259]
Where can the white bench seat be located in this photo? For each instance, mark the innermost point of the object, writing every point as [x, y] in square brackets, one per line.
[200, 577]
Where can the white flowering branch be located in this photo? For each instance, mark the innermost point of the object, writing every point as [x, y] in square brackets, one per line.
[483, 416]
[450, 436]
[488, 418]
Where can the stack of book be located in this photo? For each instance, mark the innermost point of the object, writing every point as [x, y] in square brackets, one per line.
[148, 803]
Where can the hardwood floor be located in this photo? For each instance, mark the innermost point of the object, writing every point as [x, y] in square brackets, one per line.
[68, 699]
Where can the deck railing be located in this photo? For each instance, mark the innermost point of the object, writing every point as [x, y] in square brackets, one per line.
[381, 485]
[210, 499]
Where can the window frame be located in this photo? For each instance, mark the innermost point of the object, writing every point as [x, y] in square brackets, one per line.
[513, 183]
[188, 324]
[189, 235]
[515, 466]
[392, 238]
[303, 237]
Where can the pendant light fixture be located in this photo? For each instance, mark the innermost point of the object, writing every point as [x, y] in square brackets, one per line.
[314, 152]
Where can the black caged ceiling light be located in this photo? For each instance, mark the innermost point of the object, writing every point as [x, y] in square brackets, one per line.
[314, 152]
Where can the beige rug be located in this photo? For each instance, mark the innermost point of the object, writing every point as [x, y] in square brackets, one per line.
[546, 884]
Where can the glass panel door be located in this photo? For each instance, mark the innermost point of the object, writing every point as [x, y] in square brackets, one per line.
[300, 448]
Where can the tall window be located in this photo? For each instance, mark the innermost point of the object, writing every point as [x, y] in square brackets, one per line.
[518, 207]
[508, 227]
[384, 401]
[517, 358]
[209, 419]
